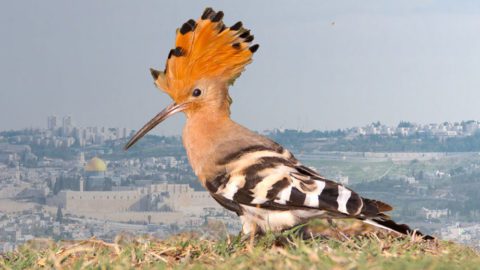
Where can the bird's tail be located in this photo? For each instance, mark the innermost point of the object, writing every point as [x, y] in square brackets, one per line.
[373, 210]
[390, 225]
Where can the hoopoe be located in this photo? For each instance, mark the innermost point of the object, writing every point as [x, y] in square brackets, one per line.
[262, 182]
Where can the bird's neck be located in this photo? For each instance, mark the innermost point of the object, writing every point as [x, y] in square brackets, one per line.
[209, 136]
[203, 132]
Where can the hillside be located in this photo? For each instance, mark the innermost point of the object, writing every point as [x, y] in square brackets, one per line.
[346, 249]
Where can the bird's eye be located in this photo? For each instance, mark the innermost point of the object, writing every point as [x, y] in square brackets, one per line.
[197, 92]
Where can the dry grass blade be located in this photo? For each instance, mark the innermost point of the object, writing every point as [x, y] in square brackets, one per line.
[157, 256]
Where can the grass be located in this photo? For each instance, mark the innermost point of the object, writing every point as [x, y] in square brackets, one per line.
[354, 247]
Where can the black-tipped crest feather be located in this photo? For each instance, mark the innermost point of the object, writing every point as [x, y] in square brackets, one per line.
[155, 73]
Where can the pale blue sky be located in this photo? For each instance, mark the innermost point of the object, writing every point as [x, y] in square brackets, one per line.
[381, 60]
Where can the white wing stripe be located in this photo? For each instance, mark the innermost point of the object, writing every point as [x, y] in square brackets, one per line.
[342, 199]
[311, 200]
[258, 200]
[232, 186]
[320, 187]
[284, 195]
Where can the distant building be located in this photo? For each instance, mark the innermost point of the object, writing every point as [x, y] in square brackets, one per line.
[162, 197]
[410, 180]
[81, 160]
[67, 122]
[471, 127]
[52, 122]
[13, 152]
[434, 213]
[95, 173]
[67, 125]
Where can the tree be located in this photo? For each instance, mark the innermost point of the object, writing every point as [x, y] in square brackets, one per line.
[59, 215]
[58, 185]
[405, 124]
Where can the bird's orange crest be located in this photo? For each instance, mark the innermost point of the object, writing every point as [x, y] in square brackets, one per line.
[205, 49]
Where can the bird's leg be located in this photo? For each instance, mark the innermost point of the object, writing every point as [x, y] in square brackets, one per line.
[249, 230]
[331, 223]
[252, 235]
[304, 232]
[334, 226]
[300, 230]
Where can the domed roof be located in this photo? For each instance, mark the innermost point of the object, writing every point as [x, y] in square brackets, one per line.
[96, 165]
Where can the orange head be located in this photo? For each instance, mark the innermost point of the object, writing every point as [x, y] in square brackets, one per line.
[207, 58]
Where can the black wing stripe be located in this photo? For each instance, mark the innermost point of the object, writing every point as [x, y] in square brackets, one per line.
[251, 172]
[369, 209]
[218, 182]
[296, 197]
[255, 148]
[307, 171]
[277, 187]
[328, 198]
[354, 204]
[243, 196]
[228, 204]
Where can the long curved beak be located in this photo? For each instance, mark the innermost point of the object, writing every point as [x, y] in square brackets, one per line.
[164, 114]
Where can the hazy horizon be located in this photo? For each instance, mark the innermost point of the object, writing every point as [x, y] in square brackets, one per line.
[86, 125]
[321, 65]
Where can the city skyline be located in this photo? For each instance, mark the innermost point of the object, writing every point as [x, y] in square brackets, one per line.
[62, 131]
[320, 65]
[65, 126]
[75, 182]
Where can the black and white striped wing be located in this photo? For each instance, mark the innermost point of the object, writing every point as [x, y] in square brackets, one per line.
[312, 192]
[274, 179]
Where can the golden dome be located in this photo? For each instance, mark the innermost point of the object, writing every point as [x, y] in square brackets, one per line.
[96, 165]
